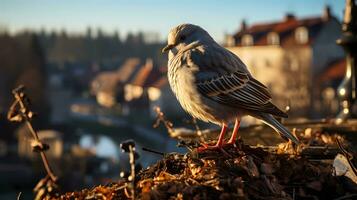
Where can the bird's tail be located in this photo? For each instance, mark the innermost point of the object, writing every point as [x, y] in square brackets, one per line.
[278, 127]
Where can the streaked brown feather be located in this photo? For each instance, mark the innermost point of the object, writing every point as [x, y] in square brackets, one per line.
[231, 84]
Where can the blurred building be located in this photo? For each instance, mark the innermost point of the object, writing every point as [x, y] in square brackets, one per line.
[289, 56]
[328, 82]
[134, 86]
[50, 137]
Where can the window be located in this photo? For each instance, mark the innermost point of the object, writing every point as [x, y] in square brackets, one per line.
[294, 65]
[247, 40]
[230, 41]
[301, 35]
[273, 38]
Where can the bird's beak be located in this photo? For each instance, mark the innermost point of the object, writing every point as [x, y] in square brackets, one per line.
[168, 47]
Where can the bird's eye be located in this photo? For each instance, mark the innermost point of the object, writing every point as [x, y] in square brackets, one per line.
[182, 37]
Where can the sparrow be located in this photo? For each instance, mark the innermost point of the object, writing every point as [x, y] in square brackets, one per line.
[212, 84]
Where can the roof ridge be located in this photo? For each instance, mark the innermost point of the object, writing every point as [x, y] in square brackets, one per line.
[271, 23]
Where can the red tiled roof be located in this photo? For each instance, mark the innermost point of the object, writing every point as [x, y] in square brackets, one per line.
[285, 29]
[142, 75]
[147, 76]
[131, 72]
[153, 78]
[127, 69]
[335, 70]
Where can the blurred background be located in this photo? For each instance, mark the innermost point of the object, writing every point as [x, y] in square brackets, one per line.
[94, 71]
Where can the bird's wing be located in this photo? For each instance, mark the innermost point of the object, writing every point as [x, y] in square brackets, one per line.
[234, 87]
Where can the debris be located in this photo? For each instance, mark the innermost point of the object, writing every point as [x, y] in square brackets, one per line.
[343, 168]
[348, 156]
[247, 173]
[46, 188]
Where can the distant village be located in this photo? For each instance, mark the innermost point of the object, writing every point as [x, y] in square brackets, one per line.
[97, 86]
[88, 91]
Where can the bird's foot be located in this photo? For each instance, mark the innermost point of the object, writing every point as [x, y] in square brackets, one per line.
[205, 147]
[215, 147]
[230, 142]
[238, 144]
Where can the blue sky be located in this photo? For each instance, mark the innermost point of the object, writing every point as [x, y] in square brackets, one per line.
[217, 16]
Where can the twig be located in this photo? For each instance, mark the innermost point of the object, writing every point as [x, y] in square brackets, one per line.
[121, 187]
[161, 118]
[24, 114]
[153, 151]
[195, 125]
[346, 197]
[198, 130]
[18, 196]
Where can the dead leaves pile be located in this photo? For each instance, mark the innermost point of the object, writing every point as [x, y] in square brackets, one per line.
[235, 172]
[239, 173]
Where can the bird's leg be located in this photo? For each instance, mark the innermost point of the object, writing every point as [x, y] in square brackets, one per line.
[220, 141]
[232, 140]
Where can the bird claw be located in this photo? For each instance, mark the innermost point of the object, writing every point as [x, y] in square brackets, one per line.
[230, 142]
[219, 147]
[208, 147]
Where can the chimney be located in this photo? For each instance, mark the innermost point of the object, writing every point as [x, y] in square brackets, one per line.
[326, 15]
[289, 16]
[243, 25]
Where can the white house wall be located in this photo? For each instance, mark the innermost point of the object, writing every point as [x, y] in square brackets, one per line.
[272, 65]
